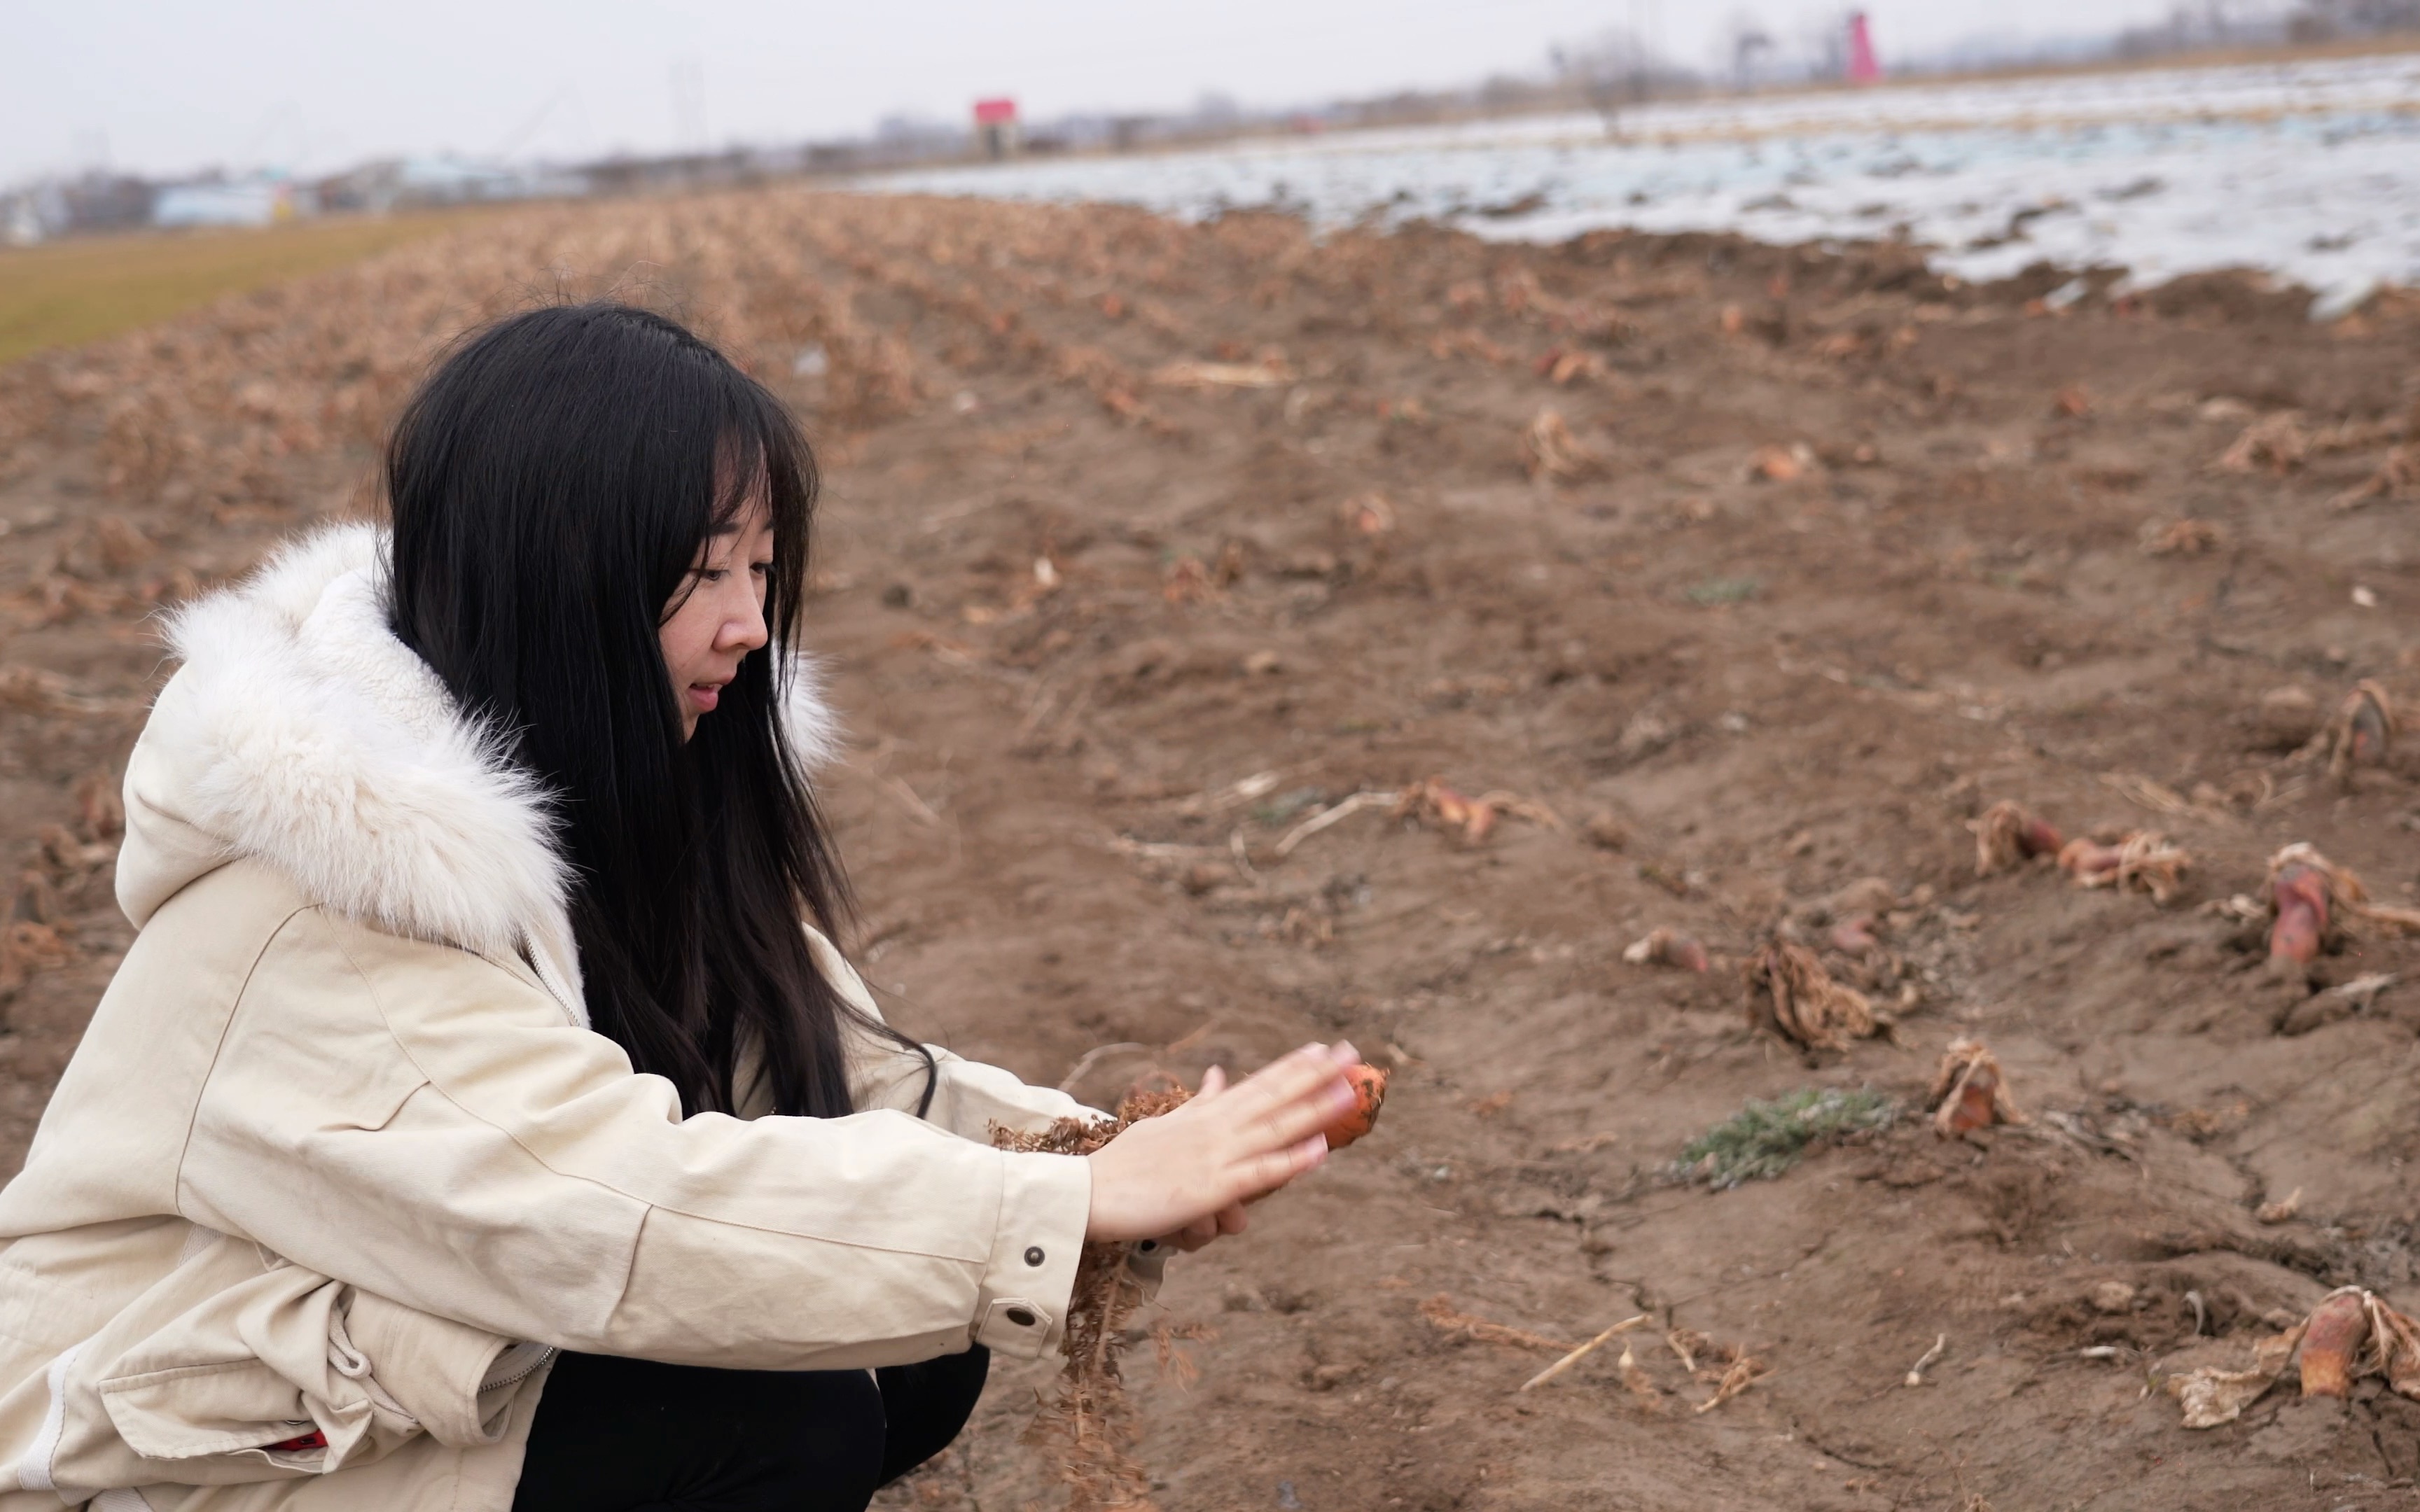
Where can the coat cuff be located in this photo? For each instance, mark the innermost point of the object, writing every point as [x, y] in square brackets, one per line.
[1045, 1201]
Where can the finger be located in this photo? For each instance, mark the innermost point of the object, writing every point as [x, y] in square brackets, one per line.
[1231, 1219]
[1315, 1108]
[1342, 1053]
[1198, 1232]
[1284, 1078]
[1291, 1092]
[1268, 1172]
[1214, 1082]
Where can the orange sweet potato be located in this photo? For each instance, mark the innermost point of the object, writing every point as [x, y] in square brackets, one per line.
[2338, 1327]
[1368, 1091]
[2301, 895]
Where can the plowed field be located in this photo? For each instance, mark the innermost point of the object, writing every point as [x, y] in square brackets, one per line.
[1143, 544]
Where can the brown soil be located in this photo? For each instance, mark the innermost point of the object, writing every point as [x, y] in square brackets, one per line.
[1824, 560]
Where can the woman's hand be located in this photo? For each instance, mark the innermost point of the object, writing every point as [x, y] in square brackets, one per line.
[1184, 1176]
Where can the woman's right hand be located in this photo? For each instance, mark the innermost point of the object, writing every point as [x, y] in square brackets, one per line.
[1227, 1145]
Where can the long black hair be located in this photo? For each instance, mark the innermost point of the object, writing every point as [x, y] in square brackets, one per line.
[550, 484]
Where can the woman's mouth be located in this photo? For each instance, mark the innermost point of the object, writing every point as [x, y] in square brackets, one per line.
[703, 696]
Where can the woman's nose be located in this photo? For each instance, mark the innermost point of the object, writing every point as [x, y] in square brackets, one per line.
[743, 626]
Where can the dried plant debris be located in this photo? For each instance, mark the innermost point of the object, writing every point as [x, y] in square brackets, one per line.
[2009, 834]
[1765, 1139]
[1790, 995]
[2210, 1395]
[1438, 804]
[2139, 860]
[1970, 1092]
[2281, 442]
[1091, 1425]
[2311, 900]
[1781, 463]
[2284, 1210]
[1368, 514]
[1727, 1367]
[1667, 947]
[1552, 453]
[2396, 477]
[27, 947]
[2361, 734]
[2354, 1334]
[1091, 1419]
[1438, 1313]
[2273, 443]
[1740, 1370]
[1583, 1352]
[1270, 372]
[2186, 537]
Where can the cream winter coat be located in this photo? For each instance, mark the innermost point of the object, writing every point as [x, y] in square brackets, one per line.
[340, 1154]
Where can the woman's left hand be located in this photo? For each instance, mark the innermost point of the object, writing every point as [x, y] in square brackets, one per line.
[1199, 1233]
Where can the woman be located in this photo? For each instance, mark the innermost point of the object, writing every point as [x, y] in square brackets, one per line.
[473, 1124]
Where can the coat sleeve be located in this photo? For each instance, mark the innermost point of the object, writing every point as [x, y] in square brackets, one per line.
[968, 1097]
[421, 1122]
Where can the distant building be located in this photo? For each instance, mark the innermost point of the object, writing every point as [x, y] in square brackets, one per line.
[995, 126]
[242, 202]
[21, 220]
[94, 201]
[409, 183]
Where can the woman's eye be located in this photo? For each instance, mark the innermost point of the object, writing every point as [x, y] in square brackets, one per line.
[711, 574]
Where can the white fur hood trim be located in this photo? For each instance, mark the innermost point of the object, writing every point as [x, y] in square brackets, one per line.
[301, 733]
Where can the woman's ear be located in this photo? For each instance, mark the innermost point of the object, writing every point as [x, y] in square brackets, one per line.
[813, 729]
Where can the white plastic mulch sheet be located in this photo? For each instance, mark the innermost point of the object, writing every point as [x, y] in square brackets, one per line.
[2310, 171]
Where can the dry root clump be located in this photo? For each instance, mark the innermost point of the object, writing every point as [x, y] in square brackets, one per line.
[25, 947]
[2186, 537]
[1790, 995]
[2352, 1334]
[2399, 475]
[1476, 817]
[2140, 861]
[1729, 1367]
[1368, 514]
[1269, 372]
[2274, 444]
[1092, 1423]
[2309, 899]
[2009, 834]
[1551, 452]
[2361, 734]
[1781, 463]
[1438, 1313]
[1970, 1092]
[1667, 947]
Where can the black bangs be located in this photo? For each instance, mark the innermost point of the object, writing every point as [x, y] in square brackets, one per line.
[550, 484]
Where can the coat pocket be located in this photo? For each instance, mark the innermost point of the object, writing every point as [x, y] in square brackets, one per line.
[230, 1407]
[239, 1368]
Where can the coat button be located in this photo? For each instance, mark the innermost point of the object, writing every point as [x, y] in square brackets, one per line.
[1020, 1317]
[1034, 1255]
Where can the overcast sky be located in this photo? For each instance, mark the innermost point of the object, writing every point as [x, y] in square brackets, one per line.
[169, 86]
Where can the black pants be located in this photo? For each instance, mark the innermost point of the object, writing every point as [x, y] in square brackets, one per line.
[615, 1435]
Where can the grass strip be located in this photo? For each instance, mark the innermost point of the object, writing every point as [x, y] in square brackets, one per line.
[66, 293]
[1763, 1139]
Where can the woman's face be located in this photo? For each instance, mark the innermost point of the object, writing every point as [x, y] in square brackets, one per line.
[717, 616]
